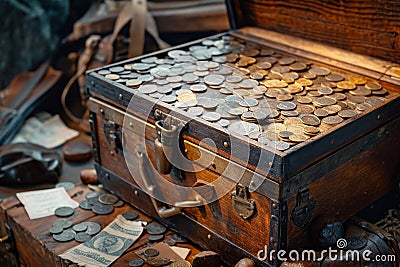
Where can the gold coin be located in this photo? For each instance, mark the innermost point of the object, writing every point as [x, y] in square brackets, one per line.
[296, 129]
[304, 82]
[289, 113]
[311, 130]
[347, 113]
[294, 88]
[274, 83]
[284, 97]
[324, 101]
[346, 85]
[358, 80]
[304, 99]
[320, 112]
[333, 109]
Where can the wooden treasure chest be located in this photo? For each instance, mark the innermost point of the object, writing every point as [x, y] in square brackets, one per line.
[256, 138]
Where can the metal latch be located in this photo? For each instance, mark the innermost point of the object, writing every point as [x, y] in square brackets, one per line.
[302, 212]
[113, 135]
[166, 145]
[242, 202]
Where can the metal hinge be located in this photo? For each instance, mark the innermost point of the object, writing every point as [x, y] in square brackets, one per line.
[302, 212]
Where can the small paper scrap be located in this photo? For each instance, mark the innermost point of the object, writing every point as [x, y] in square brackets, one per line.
[43, 203]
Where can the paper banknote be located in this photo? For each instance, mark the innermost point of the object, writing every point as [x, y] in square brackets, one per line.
[108, 245]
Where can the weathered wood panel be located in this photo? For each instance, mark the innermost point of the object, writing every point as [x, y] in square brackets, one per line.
[368, 27]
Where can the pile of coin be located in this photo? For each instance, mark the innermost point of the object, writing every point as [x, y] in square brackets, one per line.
[63, 230]
[101, 203]
[251, 90]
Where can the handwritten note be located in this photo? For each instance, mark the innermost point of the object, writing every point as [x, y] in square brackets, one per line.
[42, 203]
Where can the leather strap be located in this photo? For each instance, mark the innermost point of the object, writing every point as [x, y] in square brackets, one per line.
[137, 28]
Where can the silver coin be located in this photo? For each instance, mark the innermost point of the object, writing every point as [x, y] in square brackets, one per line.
[133, 82]
[119, 203]
[243, 127]
[211, 116]
[102, 209]
[151, 252]
[286, 106]
[65, 236]
[64, 211]
[104, 72]
[214, 79]
[93, 194]
[248, 102]
[80, 227]
[195, 111]
[155, 228]
[223, 122]
[130, 215]
[66, 185]
[82, 237]
[84, 204]
[168, 98]
[93, 228]
[116, 69]
[198, 88]
[108, 199]
[166, 89]
[279, 145]
[63, 223]
[148, 88]
[140, 66]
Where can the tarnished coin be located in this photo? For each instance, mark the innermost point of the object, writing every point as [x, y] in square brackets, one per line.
[56, 230]
[155, 228]
[102, 209]
[84, 204]
[309, 119]
[380, 92]
[62, 223]
[66, 185]
[130, 215]
[333, 109]
[136, 262]
[148, 88]
[211, 116]
[80, 227]
[304, 99]
[154, 238]
[285, 134]
[158, 261]
[150, 252]
[65, 236]
[332, 120]
[298, 66]
[82, 237]
[108, 199]
[373, 86]
[180, 263]
[93, 228]
[64, 211]
[320, 112]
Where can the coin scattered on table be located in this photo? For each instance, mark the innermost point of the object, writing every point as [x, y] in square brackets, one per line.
[65, 236]
[150, 252]
[136, 262]
[82, 237]
[66, 185]
[158, 261]
[154, 228]
[80, 227]
[84, 204]
[108, 199]
[102, 209]
[93, 228]
[64, 211]
[130, 215]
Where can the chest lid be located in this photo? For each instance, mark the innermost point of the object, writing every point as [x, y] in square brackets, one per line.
[368, 27]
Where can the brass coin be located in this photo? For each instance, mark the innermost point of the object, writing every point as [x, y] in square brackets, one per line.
[284, 97]
[289, 113]
[304, 99]
[347, 113]
[305, 109]
[333, 109]
[298, 138]
[373, 86]
[290, 75]
[292, 121]
[108, 199]
[358, 80]
[328, 84]
[112, 76]
[311, 130]
[304, 82]
[298, 66]
[264, 65]
[320, 112]
[356, 99]
[309, 119]
[313, 93]
[180, 263]
[286, 60]
[294, 88]
[158, 261]
[332, 120]
[346, 85]
[339, 96]
[285, 134]
[64, 211]
[274, 83]
[309, 75]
